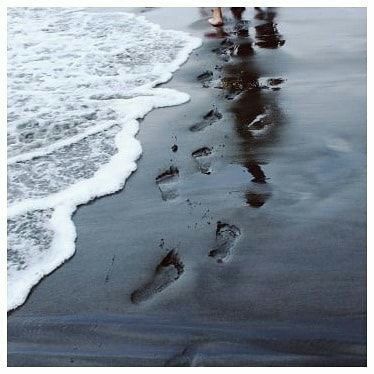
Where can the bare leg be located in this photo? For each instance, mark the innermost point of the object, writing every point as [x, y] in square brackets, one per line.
[237, 12]
[217, 19]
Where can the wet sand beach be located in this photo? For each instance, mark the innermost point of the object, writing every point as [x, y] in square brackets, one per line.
[240, 240]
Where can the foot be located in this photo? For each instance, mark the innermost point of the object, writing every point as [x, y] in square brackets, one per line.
[217, 19]
[216, 22]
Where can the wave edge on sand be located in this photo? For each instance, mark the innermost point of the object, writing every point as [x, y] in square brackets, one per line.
[49, 215]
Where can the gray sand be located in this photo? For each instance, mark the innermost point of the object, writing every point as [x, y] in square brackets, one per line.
[290, 288]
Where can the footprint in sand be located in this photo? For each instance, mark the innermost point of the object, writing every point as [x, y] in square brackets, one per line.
[166, 182]
[211, 117]
[201, 157]
[274, 84]
[260, 125]
[167, 271]
[225, 49]
[226, 238]
[205, 78]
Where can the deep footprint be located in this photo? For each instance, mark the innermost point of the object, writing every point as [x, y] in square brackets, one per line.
[226, 238]
[166, 183]
[211, 117]
[200, 156]
[167, 272]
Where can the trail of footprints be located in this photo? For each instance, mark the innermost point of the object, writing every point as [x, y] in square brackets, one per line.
[171, 267]
[167, 181]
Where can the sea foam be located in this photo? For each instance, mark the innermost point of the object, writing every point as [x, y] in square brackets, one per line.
[78, 81]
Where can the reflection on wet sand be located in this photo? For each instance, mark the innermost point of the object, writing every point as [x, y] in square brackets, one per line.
[267, 35]
[251, 93]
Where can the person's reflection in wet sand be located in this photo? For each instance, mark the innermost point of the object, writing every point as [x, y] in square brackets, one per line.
[267, 35]
[253, 97]
[237, 12]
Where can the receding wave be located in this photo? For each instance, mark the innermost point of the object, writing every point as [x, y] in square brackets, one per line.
[77, 83]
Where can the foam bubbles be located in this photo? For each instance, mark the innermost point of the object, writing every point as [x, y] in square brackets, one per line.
[77, 82]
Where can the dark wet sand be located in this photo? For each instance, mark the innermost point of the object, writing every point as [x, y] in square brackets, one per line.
[281, 279]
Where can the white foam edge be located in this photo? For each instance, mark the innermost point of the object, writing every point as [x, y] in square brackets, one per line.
[144, 90]
[133, 110]
[129, 150]
[62, 248]
[110, 178]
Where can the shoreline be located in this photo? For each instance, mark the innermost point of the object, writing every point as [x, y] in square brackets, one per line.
[281, 188]
[108, 178]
